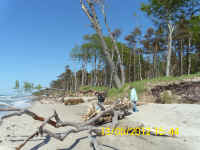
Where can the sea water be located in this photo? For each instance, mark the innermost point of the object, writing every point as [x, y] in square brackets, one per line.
[14, 98]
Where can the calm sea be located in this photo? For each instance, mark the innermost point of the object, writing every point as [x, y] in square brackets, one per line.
[15, 98]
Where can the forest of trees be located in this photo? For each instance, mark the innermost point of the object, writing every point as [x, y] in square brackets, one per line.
[169, 48]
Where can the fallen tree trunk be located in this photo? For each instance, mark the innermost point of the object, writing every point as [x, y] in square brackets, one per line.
[73, 101]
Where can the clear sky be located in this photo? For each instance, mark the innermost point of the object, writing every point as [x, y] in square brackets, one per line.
[36, 36]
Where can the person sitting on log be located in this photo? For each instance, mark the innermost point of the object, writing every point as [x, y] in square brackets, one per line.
[101, 98]
[134, 98]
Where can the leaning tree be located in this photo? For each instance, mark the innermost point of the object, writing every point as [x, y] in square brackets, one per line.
[90, 9]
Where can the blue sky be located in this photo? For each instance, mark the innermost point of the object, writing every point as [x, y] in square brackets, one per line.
[36, 36]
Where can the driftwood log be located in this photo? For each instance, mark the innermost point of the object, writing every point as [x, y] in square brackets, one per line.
[77, 126]
[73, 101]
[88, 92]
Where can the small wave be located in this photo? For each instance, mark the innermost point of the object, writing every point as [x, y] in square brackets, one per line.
[21, 104]
[3, 104]
[15, 99]
[3, 96]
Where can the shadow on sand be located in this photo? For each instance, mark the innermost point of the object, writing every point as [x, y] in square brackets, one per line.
[48, 138]
[44, 142]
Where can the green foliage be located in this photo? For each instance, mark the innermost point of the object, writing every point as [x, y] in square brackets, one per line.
[47, 91]
[90, 48]
[164, 10]
[39, 93]
[114, 92]
[28, 86]
[38, 87]
[143, 56]
[195, 27]
[141, 86]
[17, 86]
[96, 88]
[166, 97]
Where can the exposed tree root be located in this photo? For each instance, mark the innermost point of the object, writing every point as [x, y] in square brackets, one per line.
[189, 91]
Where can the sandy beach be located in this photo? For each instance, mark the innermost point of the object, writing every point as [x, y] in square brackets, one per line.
[186, 117]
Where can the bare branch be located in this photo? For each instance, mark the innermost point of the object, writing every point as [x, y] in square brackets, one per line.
[29, 138]
[115, 119]
[27, 112]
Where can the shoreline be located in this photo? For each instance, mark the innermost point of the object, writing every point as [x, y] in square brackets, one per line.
[27, 104]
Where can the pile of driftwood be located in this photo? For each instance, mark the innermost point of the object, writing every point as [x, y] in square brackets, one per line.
[122, 108]
[111, 113]
[189, 91]
[115, 110]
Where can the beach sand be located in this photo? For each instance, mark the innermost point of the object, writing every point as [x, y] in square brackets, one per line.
[186, 117]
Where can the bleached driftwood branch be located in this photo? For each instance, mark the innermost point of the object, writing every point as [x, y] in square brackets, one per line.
[77, 127]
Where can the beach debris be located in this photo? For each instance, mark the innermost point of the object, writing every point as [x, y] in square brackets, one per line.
[122, 108]
[90, 113]
[92, 124]
[186, 92]
[73, 101]
[77, 126]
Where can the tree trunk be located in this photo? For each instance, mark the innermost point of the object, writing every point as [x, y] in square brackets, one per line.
[115, 48]
[93, 18]
[129, 72]
[85, 71]
[140, 66]
[99, 74]
[154, 64]
[189, 56]
[111, 79]
[92, 79]
[105, 77]
[71, 83]
[82, 75]
[158, 65]
[181, 58]
[155, 61]
[95, 69]
[134, 66]
[75, 87]
[171, 29]
[111, 76]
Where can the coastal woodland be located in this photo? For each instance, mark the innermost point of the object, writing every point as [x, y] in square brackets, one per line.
[169, 48]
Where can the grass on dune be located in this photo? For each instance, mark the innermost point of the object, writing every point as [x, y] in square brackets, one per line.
[140, 86]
